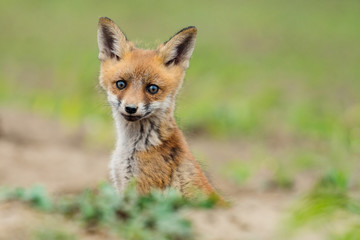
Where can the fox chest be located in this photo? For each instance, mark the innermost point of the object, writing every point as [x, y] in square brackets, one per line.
[126, 162]
[123, 166]
[155, 167]
[150, 170]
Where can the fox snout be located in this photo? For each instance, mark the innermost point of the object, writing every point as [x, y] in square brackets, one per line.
[131, 108]
[132, 112]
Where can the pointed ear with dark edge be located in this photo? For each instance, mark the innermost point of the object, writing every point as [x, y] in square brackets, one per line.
[178, 49]
[112, 42]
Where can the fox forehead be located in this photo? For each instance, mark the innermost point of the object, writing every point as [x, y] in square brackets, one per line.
[141, 65]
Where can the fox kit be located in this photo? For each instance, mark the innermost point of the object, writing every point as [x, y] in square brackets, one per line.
[141, 86]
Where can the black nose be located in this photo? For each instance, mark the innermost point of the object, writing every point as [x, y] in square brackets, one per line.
[130, 109]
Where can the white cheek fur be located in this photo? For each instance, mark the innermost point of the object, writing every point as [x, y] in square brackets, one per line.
[112, 99]
[162, 105]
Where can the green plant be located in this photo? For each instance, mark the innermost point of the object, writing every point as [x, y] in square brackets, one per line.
[156, 215]
[237, 171]
[52, 234]
[329, 197]
[36, 196]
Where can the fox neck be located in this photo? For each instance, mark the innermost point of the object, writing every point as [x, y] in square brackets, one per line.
[145, 133]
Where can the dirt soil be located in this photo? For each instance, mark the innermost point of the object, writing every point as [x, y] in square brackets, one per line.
[35, 149]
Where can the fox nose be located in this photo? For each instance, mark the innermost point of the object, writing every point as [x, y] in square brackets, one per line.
[130, 108]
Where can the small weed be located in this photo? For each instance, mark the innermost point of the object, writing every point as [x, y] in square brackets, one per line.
[237, 171]
[352, 234]
[327, 199]
[282, 178]
[36, 196]
[52, 234]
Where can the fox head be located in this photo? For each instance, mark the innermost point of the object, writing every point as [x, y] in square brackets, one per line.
[138, 82]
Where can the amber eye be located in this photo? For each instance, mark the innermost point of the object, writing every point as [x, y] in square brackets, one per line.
[152, 89]
[121, 84]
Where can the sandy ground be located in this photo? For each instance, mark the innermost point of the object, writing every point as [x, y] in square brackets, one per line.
[34, 150]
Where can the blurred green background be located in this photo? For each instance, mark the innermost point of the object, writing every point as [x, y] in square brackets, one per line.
[283, 76]
[258, 66]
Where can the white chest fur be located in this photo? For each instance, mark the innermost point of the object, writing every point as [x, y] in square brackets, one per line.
[131, 138]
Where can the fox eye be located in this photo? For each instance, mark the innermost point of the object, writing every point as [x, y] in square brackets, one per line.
[121, 84]
[152, 89]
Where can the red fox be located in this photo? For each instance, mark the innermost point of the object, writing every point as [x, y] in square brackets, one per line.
[141, 86]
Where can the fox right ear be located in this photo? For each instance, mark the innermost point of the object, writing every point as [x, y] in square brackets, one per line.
[112, 42]
[178, 49]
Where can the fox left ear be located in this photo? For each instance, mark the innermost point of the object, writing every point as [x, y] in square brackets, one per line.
[179, 48]
[112, 42]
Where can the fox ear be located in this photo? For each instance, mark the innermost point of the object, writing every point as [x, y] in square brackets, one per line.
[112, 41]
[178, 49]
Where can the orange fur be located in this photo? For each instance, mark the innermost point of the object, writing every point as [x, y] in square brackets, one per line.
[159, 157]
